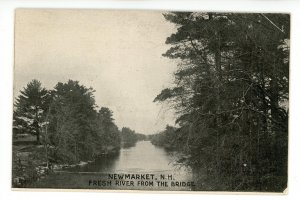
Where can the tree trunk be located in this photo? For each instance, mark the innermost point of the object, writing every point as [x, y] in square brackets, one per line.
[38, 140]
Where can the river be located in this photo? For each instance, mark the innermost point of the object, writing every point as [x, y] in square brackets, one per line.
[134, 164]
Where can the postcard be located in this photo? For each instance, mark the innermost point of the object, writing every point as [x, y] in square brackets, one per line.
[151, 100]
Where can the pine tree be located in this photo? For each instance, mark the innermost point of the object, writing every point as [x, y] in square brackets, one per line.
[72, 122]
[110, 135]
[30, 109]
[230, 92]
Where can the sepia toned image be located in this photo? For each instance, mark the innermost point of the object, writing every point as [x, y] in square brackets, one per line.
[151, 100]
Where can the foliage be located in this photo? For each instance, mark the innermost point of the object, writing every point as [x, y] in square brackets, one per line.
[30, 108]
[67, 119]
[231, 96]
[106, 126]
[76, 129]
[129, 137]
[170, 138]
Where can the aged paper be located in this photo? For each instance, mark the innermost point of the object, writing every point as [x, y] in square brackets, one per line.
[151, 100]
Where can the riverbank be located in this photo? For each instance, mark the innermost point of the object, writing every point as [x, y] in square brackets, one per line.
[30, 163]
[141, 159]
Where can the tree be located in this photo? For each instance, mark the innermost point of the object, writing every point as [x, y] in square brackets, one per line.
[128, 136]
[30, 109]
[230, 92]
[76, 130]
[72, 122]
[109, 131]
[105, 117]
[169, 138]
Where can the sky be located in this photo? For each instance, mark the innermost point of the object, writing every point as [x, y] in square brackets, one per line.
[118, 53]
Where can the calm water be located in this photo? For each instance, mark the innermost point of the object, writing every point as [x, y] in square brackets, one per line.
[144, 158]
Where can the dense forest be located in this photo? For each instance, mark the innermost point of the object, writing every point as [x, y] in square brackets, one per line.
[230, 94]
[130, 137]
[170, 138]
[67, 125]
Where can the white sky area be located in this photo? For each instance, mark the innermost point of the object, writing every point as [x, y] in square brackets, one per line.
[118, 53]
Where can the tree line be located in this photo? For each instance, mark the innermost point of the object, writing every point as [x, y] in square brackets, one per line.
[230, 94]
[67, 122]
[169, 138]
[130, 137]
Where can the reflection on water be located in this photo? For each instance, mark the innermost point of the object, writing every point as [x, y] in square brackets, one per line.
[143, 158]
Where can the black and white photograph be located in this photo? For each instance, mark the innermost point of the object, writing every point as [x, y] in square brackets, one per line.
[149, 100]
